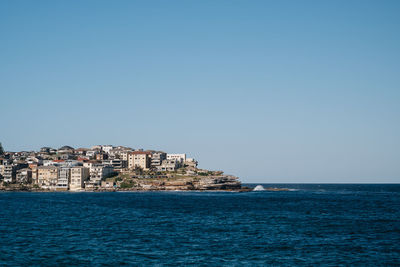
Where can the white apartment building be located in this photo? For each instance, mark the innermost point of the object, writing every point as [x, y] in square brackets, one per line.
[97, 173]
[178, 157]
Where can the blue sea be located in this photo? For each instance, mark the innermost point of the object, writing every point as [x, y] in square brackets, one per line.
[327, 224]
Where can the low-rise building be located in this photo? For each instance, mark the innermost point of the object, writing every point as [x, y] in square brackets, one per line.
[9, 170]
[97, 173]
[157, 158]
[65, 150]
[168, 165]
[107, 184]
[190, 162]
[178, 157]
[115, 163]
[64, 174]
[92, 153]
[78, 176]
[24, 176]
[34, 160]
[81, 151]
[45, 150]
[65, 156]
[47, 176]
[139, 159]
[9, 173]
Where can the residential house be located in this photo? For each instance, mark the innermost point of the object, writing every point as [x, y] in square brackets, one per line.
[45, 150]
[34, 160]
[65, 150]
[81, 151]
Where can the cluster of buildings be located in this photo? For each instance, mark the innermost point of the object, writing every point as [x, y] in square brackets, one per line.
[72, 169]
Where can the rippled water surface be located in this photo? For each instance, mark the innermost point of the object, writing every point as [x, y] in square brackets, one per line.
[311, 225]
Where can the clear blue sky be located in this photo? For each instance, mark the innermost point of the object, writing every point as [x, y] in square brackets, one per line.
[272, 91]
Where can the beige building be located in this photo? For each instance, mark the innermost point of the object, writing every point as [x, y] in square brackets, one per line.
[35, 175]
[47, 176]
[78, 176]
[124, 155]
[140, 159]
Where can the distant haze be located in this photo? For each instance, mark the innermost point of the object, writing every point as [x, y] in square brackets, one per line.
[271, 91]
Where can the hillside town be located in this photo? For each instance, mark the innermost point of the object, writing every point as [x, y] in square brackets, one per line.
[106, 167]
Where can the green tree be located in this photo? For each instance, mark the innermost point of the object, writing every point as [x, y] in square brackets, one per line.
[138, 170]
[1, 149]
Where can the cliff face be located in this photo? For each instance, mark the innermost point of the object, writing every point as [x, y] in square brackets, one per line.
[223, 182]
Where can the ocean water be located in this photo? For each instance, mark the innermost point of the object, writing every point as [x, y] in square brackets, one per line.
[329, 225]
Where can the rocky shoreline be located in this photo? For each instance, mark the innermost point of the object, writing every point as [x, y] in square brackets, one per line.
[184, 183]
